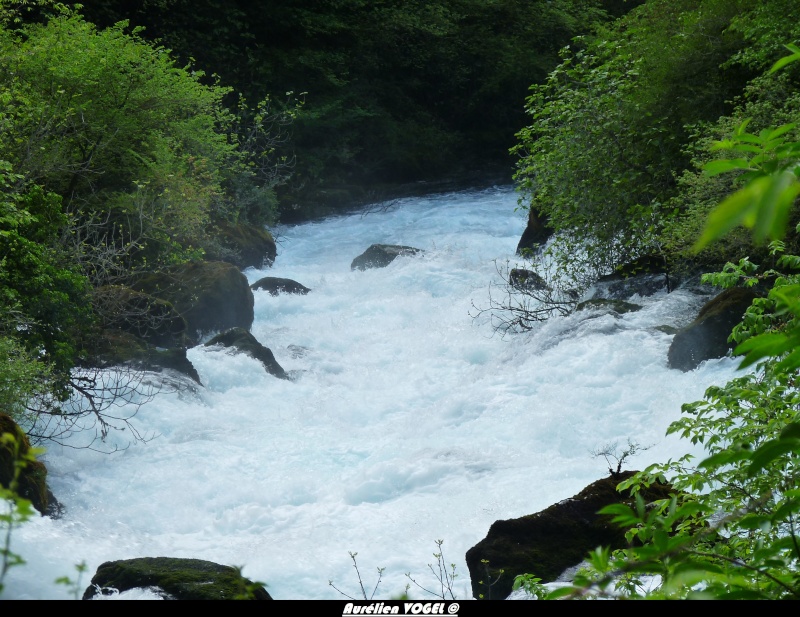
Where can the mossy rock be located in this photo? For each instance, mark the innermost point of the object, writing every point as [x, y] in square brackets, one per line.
[618, 306]
[32, 481]
[549, 542]
[174, 579]
[706, 337]
[212, 296]
[245, 246]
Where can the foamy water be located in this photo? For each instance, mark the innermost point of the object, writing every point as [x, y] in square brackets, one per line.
[409, 420]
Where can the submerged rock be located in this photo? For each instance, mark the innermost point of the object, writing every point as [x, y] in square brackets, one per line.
[381, 255]
[527, 280]
[242, 340]
[275, 285]
[174, 579]
[620, 307]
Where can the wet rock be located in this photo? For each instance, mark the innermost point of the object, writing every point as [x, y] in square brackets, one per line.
[707, 336]
[526, 280]
[619, 307]
[117, 348]
[243, 341]
[549, 542]
[381, 255]
[536, 234]
[275, 286]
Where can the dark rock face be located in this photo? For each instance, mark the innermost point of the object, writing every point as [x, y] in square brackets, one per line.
[381, 255]
[526, 280]
[212, 296]
[174, 579]
[536, 233]
[275, 286]
[707, 336]
[245, 342]
[548, 542]
[32, 480]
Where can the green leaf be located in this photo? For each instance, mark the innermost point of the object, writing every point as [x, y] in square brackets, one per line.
[732, 212]
[725, 457]
[562, 592]
[771, 451]
[787, 59]
[791, 431]
[720, 166]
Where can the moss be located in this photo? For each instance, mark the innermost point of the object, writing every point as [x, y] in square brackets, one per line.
[178, 579]
[618, 306]
[244, 246]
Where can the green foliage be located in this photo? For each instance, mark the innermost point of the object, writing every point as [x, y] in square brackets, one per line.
[42, 294]
[729, 531]
[531, 585]
[395, 91]
[610, 125]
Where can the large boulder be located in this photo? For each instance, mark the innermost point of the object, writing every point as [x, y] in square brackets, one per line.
[241, 340]
[174, 579]
[31, 480]
[549, 542]
[212, 296]
[707, 336]
[275, 285]
[381, 255]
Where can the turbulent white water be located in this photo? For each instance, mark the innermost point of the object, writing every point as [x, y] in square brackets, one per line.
[409, 421]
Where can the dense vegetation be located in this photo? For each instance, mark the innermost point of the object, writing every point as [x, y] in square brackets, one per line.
[396, 91]
[124, 150]
[694, 156]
